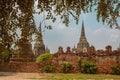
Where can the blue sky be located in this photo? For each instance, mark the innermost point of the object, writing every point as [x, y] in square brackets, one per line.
[97, 33]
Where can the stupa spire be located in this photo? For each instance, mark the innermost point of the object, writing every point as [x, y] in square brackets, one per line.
[82, 36]
[83, 45]
[39, 34]
[39, 46]
[83, 30]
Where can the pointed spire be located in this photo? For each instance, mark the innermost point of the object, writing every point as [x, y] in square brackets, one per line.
[83, 45]
[40, 30]
[47, 49]
[82, 30]
[74, 46]
[118, 47]
[39, 34]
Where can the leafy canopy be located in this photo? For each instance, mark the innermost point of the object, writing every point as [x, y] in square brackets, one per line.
[18, 15]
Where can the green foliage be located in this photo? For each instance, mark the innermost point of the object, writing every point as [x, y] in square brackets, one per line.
[48, 68]
[5, 56]
[88, 67]
[11, 21]
[16, 15]
[106, 10]
[65, 67]
[79, 63]
[44, 57]
[116, 70]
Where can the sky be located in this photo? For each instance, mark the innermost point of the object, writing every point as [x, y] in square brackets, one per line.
[97, 33]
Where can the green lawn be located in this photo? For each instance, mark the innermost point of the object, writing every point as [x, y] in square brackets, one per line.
[60, 76]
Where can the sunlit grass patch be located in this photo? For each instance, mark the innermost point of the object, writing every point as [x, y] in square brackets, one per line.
[61, 76]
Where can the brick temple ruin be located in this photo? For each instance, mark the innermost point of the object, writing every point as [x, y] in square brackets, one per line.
[25, 61]
[85, 51]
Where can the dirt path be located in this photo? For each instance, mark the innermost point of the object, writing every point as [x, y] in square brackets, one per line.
[23, 76]
[55, 76]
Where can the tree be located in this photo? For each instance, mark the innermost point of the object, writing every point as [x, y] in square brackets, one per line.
[106, 10]
[18, 14]
[15, 15]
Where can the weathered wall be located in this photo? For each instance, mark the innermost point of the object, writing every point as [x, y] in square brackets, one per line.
[103, 64]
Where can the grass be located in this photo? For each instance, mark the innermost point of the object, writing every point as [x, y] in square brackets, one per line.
[61, 76]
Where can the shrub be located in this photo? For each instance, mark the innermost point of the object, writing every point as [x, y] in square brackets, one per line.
[89, 67]
[79, 63]
[115, 70]
[48, 68]
[65, 67]
[44, 57]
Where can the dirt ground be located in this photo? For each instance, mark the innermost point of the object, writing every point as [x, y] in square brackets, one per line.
[23, 76]
[55, 76]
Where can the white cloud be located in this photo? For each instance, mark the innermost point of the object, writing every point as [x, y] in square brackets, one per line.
[113, 37]
[113, 34]
[103, 36]
[61, 36]
[98, 31]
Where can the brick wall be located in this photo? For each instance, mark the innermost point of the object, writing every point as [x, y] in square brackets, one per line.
[20, 67]
[103, 64]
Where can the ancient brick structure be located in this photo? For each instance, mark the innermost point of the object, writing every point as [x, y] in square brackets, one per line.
[47, 50]
[83, 45]
[108, 50]
[60, 50]
[68, 51]
[92, 50]
[118, 48]
[74, 50]
[39, 46]
[24, 49]
[104, 65]
[102, 60]
[61, 57]
[24, 52]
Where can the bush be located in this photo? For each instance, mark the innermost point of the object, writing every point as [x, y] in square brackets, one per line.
[65, 67]
[48, 68]
[115, 70]
[89, 67]
[44, 57]
[79, 63]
